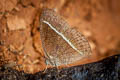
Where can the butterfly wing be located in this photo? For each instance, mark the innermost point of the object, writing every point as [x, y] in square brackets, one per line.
[62, 44]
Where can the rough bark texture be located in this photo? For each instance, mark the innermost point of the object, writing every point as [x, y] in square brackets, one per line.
[107, 69]
[20, 45]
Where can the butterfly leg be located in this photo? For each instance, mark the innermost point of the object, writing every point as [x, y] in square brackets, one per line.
[45, 68]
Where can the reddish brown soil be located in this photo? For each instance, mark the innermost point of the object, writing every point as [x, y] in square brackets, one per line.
[98, 20]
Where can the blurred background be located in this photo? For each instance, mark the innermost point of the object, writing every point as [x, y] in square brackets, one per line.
[98, 20]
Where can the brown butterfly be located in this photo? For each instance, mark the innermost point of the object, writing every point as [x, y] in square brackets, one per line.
[62, 45]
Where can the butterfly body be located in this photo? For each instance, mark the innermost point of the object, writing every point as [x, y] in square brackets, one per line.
[62, 45]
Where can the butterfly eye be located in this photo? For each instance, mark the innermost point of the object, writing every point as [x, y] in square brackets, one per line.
[62, 45]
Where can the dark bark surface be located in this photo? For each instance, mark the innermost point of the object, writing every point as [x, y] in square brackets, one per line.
[107, 69]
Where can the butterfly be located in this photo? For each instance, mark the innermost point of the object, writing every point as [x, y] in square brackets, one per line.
[61, 44]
